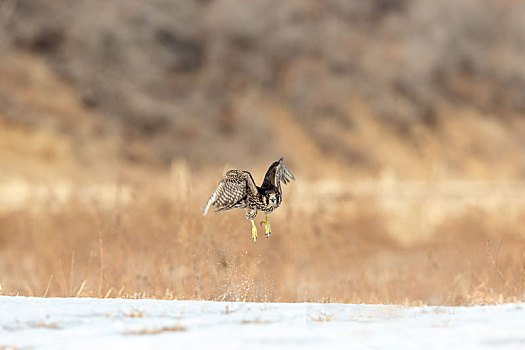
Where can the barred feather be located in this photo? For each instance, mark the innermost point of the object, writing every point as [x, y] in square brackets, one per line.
[231, 191]
[238, 190]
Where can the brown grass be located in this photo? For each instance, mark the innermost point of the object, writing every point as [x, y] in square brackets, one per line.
[135, 314]
[153, 331]
[366, 242]
[46, 325]
[323, 318]
[255, 321]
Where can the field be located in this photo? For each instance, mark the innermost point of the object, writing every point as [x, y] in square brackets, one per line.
[84, 323]
[382, 241]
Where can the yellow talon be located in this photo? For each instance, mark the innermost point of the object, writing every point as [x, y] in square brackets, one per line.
[254, 232]
[267, 228]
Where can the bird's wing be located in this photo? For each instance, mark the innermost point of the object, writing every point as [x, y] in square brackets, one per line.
[277, 172]
[233, 188]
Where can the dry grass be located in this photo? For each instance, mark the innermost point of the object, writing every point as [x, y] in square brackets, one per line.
[255, 321]
[46, 325]
[323, 318]
[369, 242]
[153, 331]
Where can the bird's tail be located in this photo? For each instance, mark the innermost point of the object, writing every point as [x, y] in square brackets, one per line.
[212, 199]
[208, 204]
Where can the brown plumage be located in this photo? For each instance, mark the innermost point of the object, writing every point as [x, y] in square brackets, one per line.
[238, 190]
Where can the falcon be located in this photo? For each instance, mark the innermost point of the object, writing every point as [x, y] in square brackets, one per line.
[238, 190]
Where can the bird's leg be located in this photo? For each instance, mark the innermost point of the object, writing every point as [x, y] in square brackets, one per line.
[254, 232]
[267, 228]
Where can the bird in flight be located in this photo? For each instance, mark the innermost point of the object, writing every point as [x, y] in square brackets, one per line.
[238, 190]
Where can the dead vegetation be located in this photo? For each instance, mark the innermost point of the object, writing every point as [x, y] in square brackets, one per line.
[138, 314]
[255, 321]
[323, 317]
[357, 247]
[154, 331]
[46, 325]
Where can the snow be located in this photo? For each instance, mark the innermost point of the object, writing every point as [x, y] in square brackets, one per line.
[87, 323]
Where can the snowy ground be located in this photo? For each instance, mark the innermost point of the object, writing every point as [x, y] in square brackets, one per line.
[85, 323]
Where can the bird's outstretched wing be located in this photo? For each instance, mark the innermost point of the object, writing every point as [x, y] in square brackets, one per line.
[277, 172]
[231, 191]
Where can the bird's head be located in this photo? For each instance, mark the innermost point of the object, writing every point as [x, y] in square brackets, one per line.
[271, 198]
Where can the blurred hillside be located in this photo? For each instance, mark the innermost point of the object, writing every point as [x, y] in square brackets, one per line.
[417, 89]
